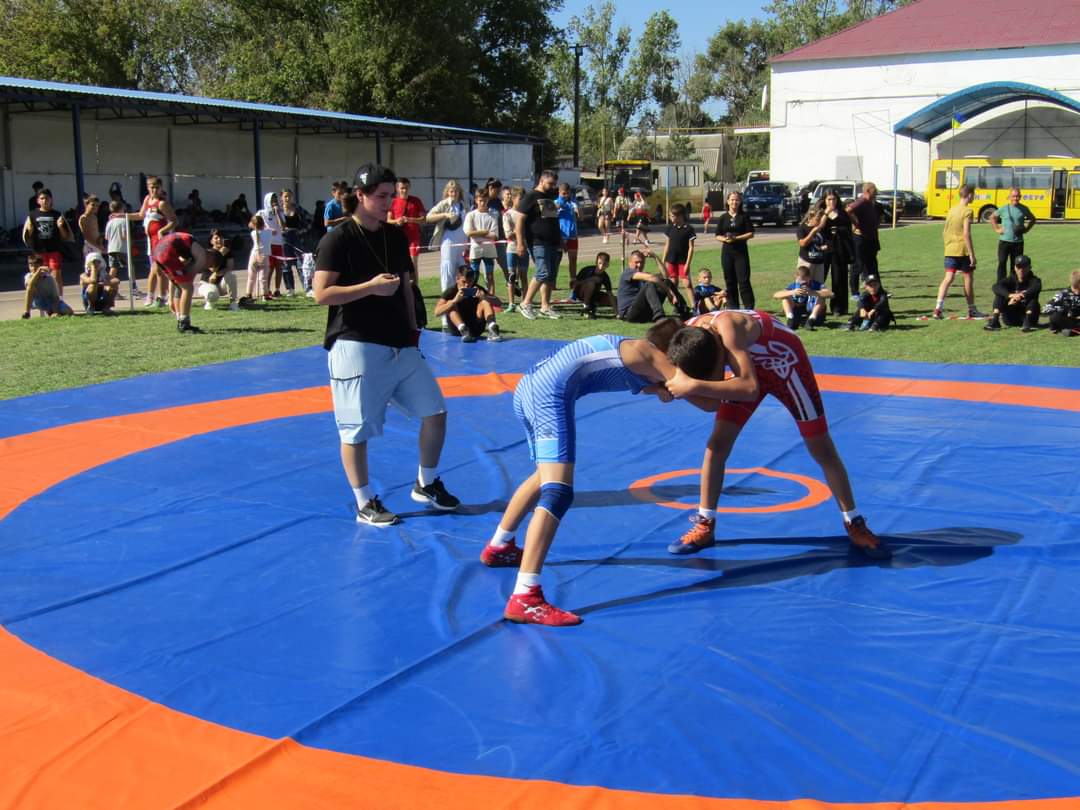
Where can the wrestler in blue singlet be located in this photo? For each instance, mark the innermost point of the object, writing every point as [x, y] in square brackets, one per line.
[545, 396]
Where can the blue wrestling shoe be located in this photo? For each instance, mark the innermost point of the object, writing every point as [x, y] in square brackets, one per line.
[698, 538]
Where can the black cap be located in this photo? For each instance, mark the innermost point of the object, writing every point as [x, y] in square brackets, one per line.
[370, 175]
[873, 279]
[1023, 261]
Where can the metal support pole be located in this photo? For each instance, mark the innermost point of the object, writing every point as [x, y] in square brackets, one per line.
[378, 148]
[895, 179]
[130, 264]
[469, 202]
[577, 104]
[76, 136]
[258, 164]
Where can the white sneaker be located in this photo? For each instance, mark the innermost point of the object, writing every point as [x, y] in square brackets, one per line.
[550, 313]
[511, 307]
[234, 306]
[494, 336]
[208, 305]
[528, 312]
[310, 293]
[150, 302]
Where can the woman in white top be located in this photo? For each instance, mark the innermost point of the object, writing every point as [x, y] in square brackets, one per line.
[448, 216]
[604, 207]
[517, 267]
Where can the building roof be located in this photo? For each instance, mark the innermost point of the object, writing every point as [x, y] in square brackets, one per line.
[955, 108]
[114, 102]
[938, 26]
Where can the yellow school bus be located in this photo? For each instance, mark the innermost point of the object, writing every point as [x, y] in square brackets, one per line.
[1049, 186]
[661, 182]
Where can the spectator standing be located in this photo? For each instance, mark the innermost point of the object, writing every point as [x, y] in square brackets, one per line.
[1064, 308]
[734, 229]
[334, 213]
[271, 215]
[495, 208]
[1016, 299]
[158, 219]
[864, 212]
[706, 216]
[538, 234]
[482, 230]
[32, 203]
[258, 277]
[361, 275]
[44, 231]
[293, 222]
[1011, 222]
[408, 213]
[813, 246]
[88, 226]
[639, 218]
[568, 226]
[621, 210]
[116, 242]
[517, 266]
[679, 241]
[317, 227]
[836, 225]
[448, 216]
[959, 253]
[604, 207]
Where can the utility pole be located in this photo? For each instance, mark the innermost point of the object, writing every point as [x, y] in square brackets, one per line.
[578, 48]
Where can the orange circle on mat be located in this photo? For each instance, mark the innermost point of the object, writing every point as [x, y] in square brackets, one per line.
[816, 492]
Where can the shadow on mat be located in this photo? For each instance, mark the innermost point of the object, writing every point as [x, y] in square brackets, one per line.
[623, 497]
[938, 547]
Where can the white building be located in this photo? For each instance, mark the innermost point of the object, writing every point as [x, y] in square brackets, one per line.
[835, 102]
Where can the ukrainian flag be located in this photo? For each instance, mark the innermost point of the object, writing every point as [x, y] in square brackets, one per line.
[957, 120]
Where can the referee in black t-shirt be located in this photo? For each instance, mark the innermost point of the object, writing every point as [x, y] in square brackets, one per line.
[362, 272]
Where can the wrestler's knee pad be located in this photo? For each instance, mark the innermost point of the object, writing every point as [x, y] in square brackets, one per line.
[555, 498]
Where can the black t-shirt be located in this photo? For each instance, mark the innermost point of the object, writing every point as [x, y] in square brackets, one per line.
[495, 208]
[629, 287]
[358, 255]
[728, 225]
[46, 231]
[678, 246]
[590, 271]
[541, 218]
[811, 252]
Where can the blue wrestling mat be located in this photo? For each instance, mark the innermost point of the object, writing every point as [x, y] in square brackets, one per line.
[221, 575]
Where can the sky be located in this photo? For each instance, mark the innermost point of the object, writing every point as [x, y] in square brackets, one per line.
[698, 20]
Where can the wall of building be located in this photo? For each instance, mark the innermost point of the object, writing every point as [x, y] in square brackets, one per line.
[834, 118]
[218, 160]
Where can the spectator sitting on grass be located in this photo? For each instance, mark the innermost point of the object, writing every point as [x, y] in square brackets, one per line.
[1064, 309]
[1016, 299]
[468, 308]
[41, 291]
[707, 296]
[592, 286]
[803, 300]
[873, 313]
[98, 287]
[642, 294]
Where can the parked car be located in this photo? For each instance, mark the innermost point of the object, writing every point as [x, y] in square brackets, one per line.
[772, 201]
[848, 191]
[586, 205]
[910, 203]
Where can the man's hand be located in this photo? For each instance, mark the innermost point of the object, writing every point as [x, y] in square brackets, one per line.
[384, 284]
[663, 394]
[681, 385]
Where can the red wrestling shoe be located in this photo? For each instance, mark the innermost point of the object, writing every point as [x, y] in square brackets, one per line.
[532, 608]
[866, 541]
[508, 556]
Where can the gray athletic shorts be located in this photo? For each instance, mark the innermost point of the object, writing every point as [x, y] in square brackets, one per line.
[366, 377]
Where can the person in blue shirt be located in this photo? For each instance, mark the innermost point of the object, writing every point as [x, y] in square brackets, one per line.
[803, 300]
[568, 215]
[707, 296]
[544, 403]
[335, 213]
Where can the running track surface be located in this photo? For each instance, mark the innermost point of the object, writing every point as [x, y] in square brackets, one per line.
[189, 615]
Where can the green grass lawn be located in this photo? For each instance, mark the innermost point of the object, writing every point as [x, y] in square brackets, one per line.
[45, 354]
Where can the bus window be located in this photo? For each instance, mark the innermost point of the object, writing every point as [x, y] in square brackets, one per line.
[946, 179]
[1033, 177]
[995, 177]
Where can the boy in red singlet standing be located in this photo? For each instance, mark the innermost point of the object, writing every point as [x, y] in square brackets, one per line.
[158, 219]
[766, 358]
